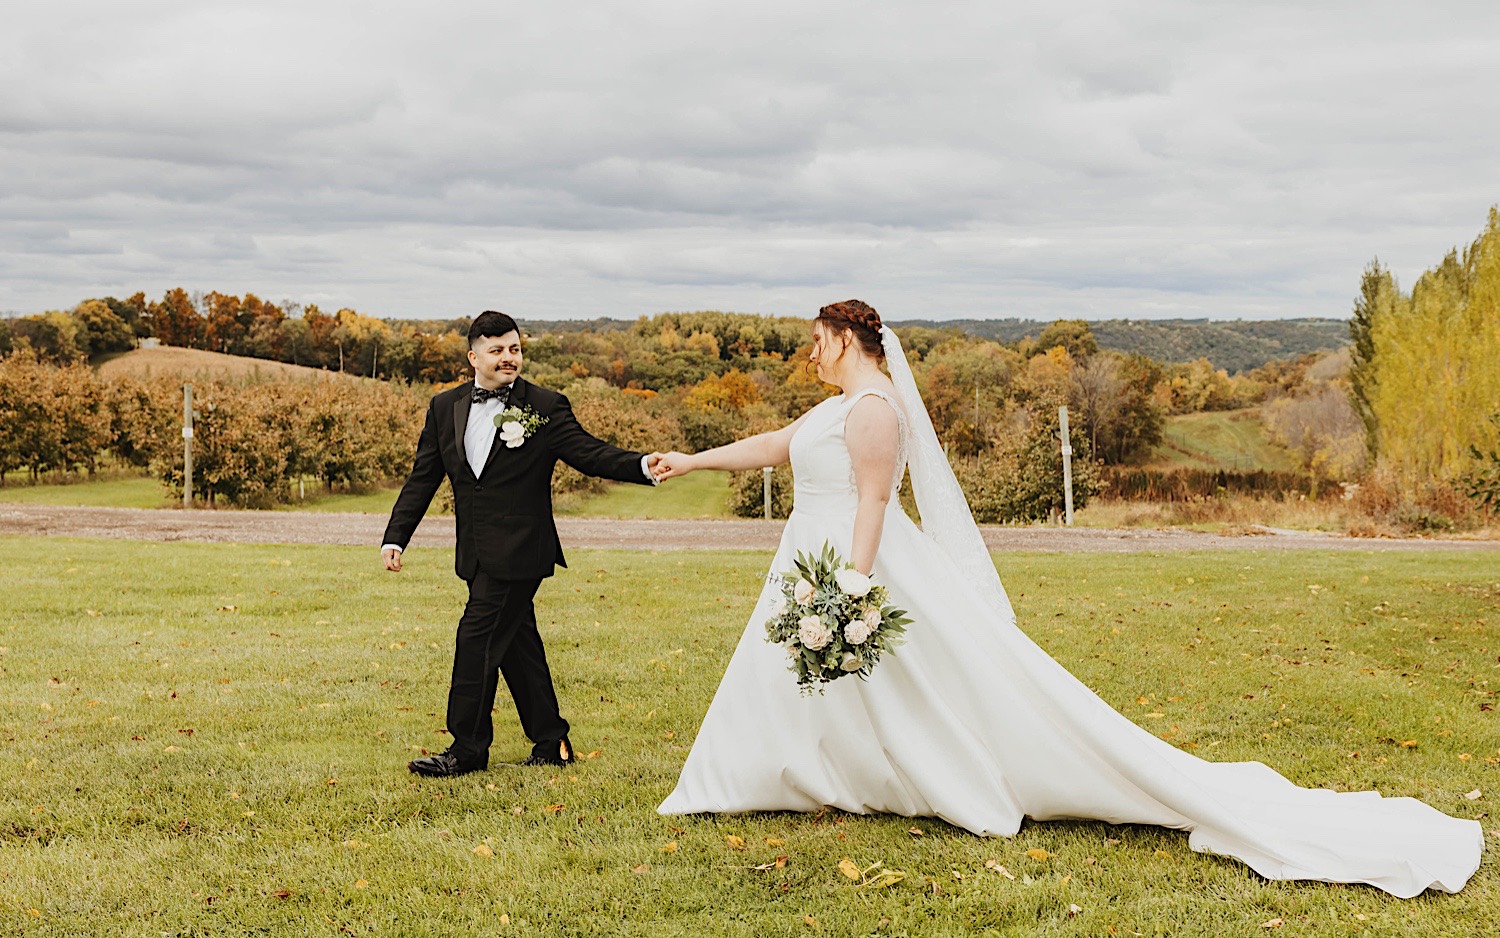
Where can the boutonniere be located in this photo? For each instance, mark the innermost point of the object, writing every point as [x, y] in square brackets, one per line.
[518, 424]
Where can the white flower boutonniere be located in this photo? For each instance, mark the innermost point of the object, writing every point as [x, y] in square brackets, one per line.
[518, 424]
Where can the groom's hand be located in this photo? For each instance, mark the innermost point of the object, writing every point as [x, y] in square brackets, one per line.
[392, 558]
[671, 464]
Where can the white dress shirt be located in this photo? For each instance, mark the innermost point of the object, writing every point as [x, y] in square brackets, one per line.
[479, 435]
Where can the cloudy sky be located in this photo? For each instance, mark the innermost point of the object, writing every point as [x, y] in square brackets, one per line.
[938, 158]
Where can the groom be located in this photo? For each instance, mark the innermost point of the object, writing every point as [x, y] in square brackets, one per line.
[507, 542]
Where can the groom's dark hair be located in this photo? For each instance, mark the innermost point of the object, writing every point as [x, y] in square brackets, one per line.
[491, 325]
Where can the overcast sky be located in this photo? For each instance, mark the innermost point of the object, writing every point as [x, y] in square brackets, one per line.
[1157, 158]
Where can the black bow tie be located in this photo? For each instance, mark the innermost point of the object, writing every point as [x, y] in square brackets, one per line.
[481, 395]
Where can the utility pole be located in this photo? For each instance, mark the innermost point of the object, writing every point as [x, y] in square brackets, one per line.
[1067, 455]
[187, 446]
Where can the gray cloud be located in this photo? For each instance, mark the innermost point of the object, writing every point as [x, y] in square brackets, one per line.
[1148, 158]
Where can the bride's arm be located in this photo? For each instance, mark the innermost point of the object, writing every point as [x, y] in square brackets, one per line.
[753, 452]
[873, 436]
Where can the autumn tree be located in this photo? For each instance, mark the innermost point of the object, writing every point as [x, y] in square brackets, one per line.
[101, 330]
[175, 320]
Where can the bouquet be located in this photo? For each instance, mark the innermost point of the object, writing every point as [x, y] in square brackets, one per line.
[833, 620]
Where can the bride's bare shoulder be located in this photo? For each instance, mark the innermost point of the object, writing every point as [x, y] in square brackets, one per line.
[874, 412]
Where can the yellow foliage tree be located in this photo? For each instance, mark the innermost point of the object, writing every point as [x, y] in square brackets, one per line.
[1435, 375]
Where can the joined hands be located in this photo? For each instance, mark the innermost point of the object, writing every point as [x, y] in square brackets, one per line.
[668, 465]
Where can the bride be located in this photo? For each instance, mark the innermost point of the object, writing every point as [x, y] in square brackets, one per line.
[969, 720]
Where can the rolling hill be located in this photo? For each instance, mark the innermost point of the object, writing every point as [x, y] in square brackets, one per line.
[190, 363]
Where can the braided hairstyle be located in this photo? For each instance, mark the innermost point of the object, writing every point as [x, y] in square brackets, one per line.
[860, 319]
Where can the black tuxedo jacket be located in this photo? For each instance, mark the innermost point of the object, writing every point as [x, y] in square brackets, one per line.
[504, 516]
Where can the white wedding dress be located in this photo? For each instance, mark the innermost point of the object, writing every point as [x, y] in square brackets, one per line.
[970, 721]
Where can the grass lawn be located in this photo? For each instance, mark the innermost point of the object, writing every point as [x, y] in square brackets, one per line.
[210, 739]
[700, 495]
[140, 492]
[1233, 439]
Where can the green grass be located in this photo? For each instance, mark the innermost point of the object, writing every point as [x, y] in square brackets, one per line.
[111, 493]
[210, 739]
[700, 495]
[1233, 439]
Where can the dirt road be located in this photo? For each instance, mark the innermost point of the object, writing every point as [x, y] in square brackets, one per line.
[285, 527]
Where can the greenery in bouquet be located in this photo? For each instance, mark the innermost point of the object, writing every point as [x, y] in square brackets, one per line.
[833, 620]
[518, 424]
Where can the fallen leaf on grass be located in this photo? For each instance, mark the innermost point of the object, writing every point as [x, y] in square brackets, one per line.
[999, 868]
[916, 832]
[643, 868]
[282, 894]
[1474, 795]
[669, 847]
[594, 754]
[1111, 842]
[171, 749]
[553, 808]
[361, 883]
[1074, 909]
[1037, 853]
[483, 850]
[847, 867]
[807, 920]
[1273, 923]
[504, 919]
[775, 842]
[1408, 744]
[777, 864]
[734, 841]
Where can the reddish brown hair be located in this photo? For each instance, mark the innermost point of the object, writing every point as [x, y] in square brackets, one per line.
[859, 318]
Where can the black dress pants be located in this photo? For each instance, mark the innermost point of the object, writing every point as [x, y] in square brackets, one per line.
[498, 633]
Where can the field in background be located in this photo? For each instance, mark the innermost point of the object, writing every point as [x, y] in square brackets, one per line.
[700, 495]
[223, 752]
[1233, 439]
[187, 364]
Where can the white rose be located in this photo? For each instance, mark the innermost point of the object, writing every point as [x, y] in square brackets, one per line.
[853, 582]
[512, 433]
[850, 662]
[804, 590]
[856, 631]
[872, 618]
[813, 633]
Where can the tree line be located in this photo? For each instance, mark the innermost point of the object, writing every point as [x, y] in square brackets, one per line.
[693, 380]
[1425, 375]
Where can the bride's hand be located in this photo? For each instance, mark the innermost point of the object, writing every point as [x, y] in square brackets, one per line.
[672, 464]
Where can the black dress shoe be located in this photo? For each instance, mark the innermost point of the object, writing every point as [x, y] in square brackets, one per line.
[556, 754]
[446, 765]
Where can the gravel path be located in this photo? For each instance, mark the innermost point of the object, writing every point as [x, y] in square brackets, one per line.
[286, 527]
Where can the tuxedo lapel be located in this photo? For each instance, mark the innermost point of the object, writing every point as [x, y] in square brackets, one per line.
[461, 406]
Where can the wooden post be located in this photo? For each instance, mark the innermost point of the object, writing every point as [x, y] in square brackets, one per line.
[1067, 455]
[766, 489]
[187, 446]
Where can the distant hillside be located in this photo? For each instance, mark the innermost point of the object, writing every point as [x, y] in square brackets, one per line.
[1235, 345]
[196, 363]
